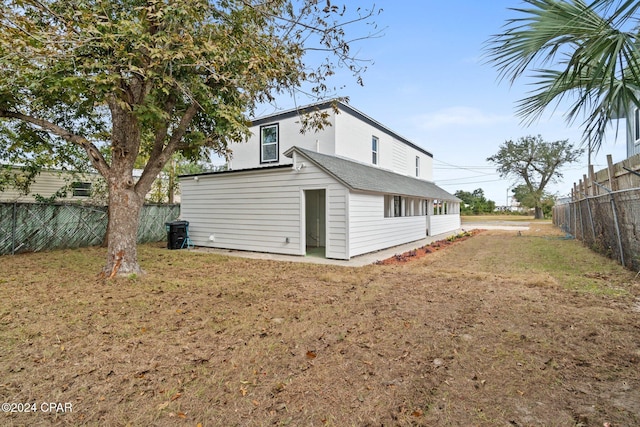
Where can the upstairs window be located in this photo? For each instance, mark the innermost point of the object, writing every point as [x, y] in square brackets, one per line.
[374, 150]
[417, 166]
[81, 189]
[269, 143]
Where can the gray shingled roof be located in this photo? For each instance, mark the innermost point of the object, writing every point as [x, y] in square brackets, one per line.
[358, 176]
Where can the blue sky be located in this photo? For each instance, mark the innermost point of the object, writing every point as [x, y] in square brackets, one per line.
[430, 84]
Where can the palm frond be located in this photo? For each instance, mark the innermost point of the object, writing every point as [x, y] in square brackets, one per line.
[589, 52]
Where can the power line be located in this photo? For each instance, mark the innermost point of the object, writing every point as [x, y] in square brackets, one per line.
[471, 182]
[467, 168]
[463, 178]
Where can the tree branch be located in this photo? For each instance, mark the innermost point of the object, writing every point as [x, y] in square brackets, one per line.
[159, 158]
[97, 160]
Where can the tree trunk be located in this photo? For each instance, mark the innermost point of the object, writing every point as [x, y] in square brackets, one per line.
[125, 202]
[122, 232]
[538, 213]
[171, 185]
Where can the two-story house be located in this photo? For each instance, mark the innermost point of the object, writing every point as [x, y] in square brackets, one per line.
[633, 132]
[351, 188]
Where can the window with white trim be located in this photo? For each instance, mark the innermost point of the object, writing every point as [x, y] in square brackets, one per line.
[397, 206]
[269, 143]
[418, 166]
[374, 150]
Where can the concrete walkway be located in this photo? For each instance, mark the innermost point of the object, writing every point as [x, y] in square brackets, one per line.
[370, 258]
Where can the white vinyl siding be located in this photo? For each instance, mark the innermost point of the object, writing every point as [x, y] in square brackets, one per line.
[633, 131]
[439, 224]
[247, 154]
[370, 231]
[347, 136]
[264, 211]
[259, 210]
[400, 157]
[337, 232]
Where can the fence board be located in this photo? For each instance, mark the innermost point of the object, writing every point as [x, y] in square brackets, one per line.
[34, 227]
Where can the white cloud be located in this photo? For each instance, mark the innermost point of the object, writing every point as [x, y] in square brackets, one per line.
[459, 116]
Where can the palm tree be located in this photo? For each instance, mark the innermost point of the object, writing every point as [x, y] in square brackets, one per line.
[586, 53]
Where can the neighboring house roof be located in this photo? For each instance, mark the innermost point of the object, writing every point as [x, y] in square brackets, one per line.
[358, 176]
[342, 107]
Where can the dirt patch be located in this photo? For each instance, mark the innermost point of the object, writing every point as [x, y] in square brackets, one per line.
[428, 249]
[500, 329]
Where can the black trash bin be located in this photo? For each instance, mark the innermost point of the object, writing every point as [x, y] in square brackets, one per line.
[177, 233]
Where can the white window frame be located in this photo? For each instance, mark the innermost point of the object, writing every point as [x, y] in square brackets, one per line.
[375, 147]
[275, 143]
[417, 166]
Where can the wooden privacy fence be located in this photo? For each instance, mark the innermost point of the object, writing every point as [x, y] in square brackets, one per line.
[34, 227]
[604, 211]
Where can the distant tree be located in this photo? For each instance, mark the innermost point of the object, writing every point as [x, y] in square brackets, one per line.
[166, 185]
[527, 199]
[475, 203]
[534, 163]
[587, 52]
[114, 80]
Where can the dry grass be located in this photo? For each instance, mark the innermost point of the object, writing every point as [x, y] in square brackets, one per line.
[500, 329]
[470, 219]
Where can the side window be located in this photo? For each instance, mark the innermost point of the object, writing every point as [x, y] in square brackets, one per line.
[397, 206]
[417, 166]
[81, 189]
[374, 150]
[269, 143]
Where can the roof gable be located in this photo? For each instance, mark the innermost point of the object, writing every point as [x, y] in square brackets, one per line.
[343, 107]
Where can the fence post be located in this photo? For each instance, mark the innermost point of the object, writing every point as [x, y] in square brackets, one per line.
[14, 220]
[593, 230]
[615, 222]
[581, 223]
[592, 179]
[613, 181]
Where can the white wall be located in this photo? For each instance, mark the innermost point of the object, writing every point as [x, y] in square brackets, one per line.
[348, 136]
[633, 146]
[259, 210]
[353, 140]
[246, 155]
[438, 224]
[370, 231]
